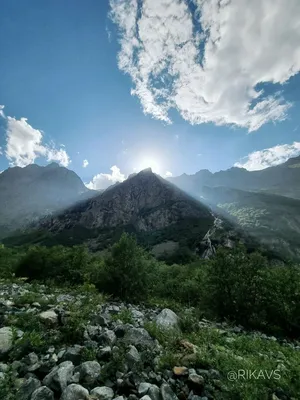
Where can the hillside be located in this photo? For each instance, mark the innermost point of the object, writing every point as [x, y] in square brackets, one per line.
[144, 204]
[283, 179]
[273, 220]
[27, 194]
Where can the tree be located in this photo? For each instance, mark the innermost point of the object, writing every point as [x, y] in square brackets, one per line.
[125, 273]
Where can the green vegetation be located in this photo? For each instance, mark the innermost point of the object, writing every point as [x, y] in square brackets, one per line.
[227, 353]
[235, 285]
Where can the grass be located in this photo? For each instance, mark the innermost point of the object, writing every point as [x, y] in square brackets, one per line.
[267, 359]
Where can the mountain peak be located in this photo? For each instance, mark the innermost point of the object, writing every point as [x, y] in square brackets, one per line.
[52, 165]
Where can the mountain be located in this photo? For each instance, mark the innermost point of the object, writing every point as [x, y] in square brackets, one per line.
[146, 204]
[283, 179]
[27, 194]
[273, 220]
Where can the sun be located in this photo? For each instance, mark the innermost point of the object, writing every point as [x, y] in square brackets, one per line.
[148, 162]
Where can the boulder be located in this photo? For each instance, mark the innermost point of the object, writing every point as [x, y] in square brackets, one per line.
[167, 393]
[102, 393]
[49, 317]
[59, 377]
[167, 319]
[42, 393]
[27, 388]
[75, 392]
[6, 339]
[89, 372]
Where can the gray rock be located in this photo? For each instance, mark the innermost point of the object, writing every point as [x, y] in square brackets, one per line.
[167, 393]
[59, 377]
[104, 353]
[146, 397]
[6, 339]
[89, 372]
[132, 356]
[42, 393]
[108, 338]
[119, 398]
[103, 393]
[143, 388]
[153, 392]
[27, 388]
[49, 317]
[196, 381]
[3, 367]
[92, 332]
[74, 354]
[138, 337]
[167, 319]
[75, 392]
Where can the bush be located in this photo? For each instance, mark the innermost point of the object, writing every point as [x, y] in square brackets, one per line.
[126, 271]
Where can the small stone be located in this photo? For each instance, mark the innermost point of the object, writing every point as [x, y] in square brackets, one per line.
[89, 372]
[49, 317]
[74, 354]
[167, 393]
[59, 376]
[133, 356]
[196, 381]
[42, 393]
[146, 397]
[27, 388]
[6, 339]
[75, 392]
[103, 393]
[143, 388]
[180, 371]
[153, 392]
[108, 338]
[104, 354]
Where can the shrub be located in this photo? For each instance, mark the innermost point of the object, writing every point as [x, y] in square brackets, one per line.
[125, 273]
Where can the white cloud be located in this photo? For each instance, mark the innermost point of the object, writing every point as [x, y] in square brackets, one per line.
[168, 174]
[103, 181]
[269, 157]
[209, 76]
[2, 112]
[24, 144]
[85, 163]
[58, 155]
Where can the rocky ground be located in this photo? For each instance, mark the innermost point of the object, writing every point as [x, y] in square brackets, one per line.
[77, 345]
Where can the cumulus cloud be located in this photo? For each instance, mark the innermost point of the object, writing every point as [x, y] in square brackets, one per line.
[103, 181]
[2, 112]
[207, 60]
[269, 157]
[58, 155]
[24, 144]
[168, 174]
[85, 163]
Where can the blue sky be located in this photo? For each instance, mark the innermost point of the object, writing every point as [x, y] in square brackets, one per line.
[125, 84]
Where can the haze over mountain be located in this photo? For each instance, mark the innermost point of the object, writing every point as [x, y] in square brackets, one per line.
[283, 179]
[28, 193]
[55, 203]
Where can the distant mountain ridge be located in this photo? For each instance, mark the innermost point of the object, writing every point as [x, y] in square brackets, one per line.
[27, 194]
[283, 179]
[145, 204]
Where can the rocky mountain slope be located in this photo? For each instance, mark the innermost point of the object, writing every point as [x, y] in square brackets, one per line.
[273, 220]
[51, 350]
[145, 204]
[28, 193]
[283, 179]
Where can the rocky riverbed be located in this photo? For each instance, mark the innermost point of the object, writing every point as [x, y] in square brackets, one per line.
[77, 345]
